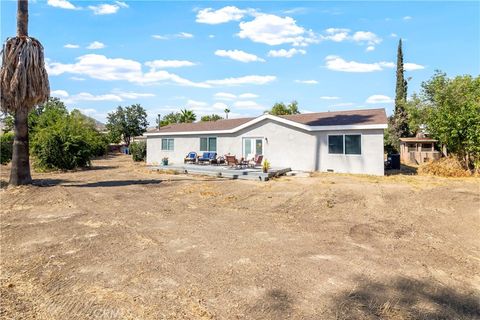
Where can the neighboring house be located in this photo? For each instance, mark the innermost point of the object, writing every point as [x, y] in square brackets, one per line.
[342, 141]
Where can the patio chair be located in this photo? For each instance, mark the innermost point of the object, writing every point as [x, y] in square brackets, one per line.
[256, 162]
[231, 161]
[218, 160]
[207, 157]
[191, 157]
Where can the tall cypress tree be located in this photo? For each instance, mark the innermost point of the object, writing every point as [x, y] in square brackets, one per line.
[400, 117]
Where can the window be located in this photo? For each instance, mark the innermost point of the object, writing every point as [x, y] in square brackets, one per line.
[208, 144]
[335, 144]
[167, 144]
[412, 147]
[345, 144]
[353, 144]
[426, 146]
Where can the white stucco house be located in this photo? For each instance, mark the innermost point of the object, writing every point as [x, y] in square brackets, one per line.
[341, 141]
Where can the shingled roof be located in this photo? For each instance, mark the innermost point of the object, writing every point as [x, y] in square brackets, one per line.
[331, 118]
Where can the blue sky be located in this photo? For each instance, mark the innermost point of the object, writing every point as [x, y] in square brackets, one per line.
[245, 55]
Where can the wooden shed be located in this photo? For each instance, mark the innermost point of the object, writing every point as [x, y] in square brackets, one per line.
[418, 150]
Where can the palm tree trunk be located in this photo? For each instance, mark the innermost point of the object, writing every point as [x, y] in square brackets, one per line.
[20, 173]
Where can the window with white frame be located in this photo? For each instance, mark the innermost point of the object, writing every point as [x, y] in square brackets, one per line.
[350, 144]
[167, 144]
[208, 144]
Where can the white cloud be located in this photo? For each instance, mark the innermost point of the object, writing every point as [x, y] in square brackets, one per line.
[195, 104]
[362, 37]
[336, 63]
[117, 69]
[71, 46]
[180, 35]
[329, 98]
[230, 96]
[59, 93]
[370, 48]
[248, 96]
[211, 36]
[224, 96]
[169, 64]
[366, 36]
[406, 18]
[77, 78]
[408, 66]
[107, 8]
[282, 53]
[159, 37]
[274, 30]
[393, 35]
[253, 80]
[223, 15]
[336, 34]
[96, 45]
[219, 106]
[115, 95]
[63, 4]
[248, 104]
[239, 55]
[184, 35]
[378, 98]
[307, 81]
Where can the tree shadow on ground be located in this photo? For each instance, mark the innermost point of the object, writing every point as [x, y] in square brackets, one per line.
[404, 169]
[48, 182]
[274, 304]
[115, 183]
[405, 298]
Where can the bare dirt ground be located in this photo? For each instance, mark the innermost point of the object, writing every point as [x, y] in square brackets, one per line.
[120, 242]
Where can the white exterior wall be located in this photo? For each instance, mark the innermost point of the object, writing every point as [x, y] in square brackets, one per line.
[371, 161]
[283, 146]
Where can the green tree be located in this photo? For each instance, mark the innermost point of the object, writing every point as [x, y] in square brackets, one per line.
[280, 108]
[6, 147]
[453, 114]
[64, 140]
[398, 123]
[127, 122]
[212, 117]
[138, 150]
[187, 116]
[171, 118]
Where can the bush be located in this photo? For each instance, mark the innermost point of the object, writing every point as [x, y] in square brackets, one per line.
[6, 147]
[445, 167]
[138, 150]
[63, 140]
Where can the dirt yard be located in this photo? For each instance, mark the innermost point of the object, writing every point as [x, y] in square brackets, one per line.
[121, 242]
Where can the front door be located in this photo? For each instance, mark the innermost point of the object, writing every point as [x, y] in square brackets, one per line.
[252, 146]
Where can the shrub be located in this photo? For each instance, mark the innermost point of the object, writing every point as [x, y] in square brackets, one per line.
[6, 147]
[138, 150]
[64, 140]
[445, 167]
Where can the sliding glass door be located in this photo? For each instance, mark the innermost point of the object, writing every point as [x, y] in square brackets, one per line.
[252, 146]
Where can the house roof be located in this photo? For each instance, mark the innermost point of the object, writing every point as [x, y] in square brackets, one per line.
[332, 120]
[418, 139]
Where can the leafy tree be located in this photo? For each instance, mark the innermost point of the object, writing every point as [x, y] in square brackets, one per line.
[453, 114]
[187, 116]
[127, 122]
[171, 118]
[65, 140]
[213, 117]
[8, 122]
[280, 108]
[6, 147]
[138, 150]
